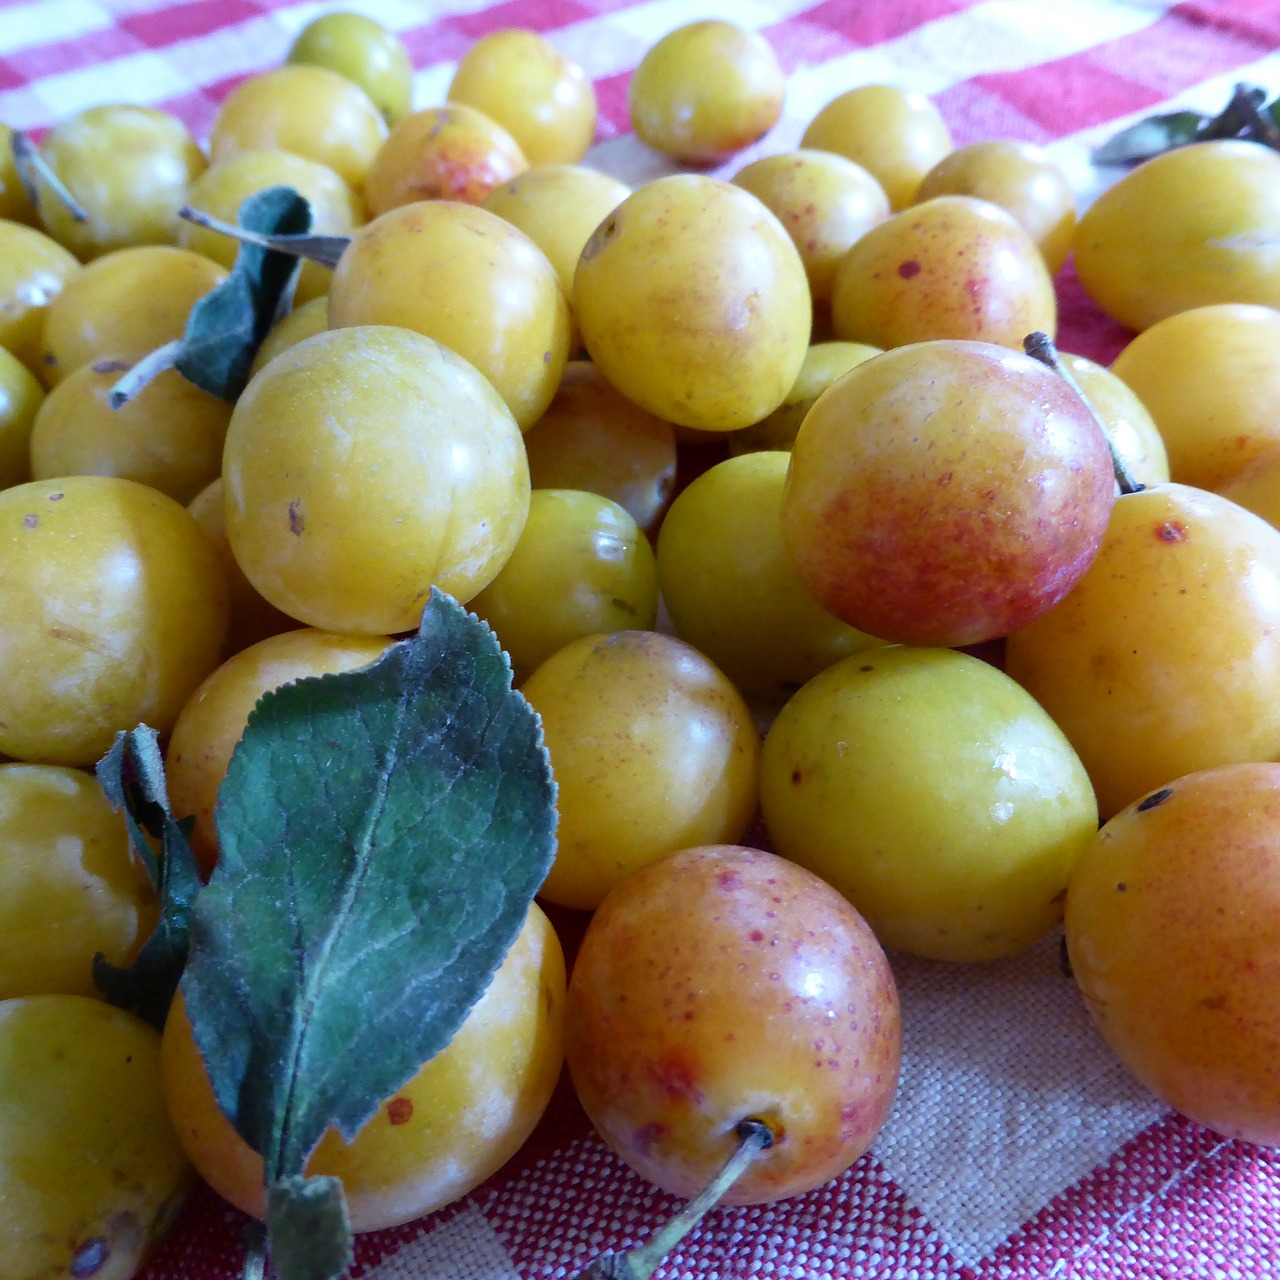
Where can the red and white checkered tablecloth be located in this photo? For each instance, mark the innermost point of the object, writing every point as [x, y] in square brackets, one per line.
[1018, 1147]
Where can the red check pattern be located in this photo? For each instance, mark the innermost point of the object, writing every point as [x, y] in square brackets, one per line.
[1009, 1156]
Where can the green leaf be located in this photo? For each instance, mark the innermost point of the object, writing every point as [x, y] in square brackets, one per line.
[382, 833]
[1244, 116]
[226, 327]
[131, 775]
[1150, 137]
[310, 1228]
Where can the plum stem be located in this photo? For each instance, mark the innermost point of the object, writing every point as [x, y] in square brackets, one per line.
[1039, 346]
[753, 1136]
[33, 169]
[324, 249]
[145, 371]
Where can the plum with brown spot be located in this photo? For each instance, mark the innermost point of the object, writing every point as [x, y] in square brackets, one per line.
[462, 1115]
[1165, 657]
[953, 267]
[667, 1095]
[1181, 970]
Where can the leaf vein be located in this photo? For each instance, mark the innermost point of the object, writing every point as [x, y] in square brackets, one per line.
[315, 978]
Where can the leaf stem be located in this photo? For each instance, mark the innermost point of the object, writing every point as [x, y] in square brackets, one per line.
[754, 1136]
[326, 250]
[33, 169]
[146, 370]
[255, 1252]
[1238, 119]
[1039, 346]
[1257, 127]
